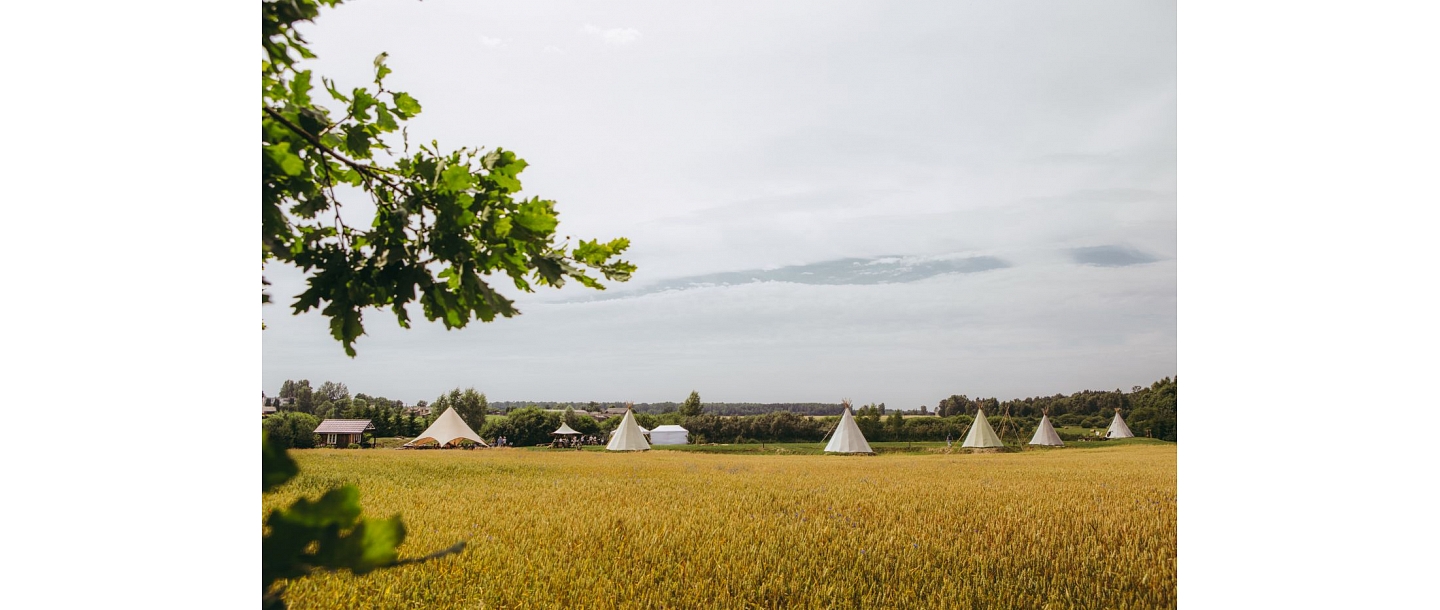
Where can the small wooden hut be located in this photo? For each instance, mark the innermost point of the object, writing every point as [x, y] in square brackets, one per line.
[344, 432]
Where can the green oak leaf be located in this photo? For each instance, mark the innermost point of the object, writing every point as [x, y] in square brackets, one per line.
[455, 178]
[405, 105]
[380, 68]
[536, 217]
[288, 161]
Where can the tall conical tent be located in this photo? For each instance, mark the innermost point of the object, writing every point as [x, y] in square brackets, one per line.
[628, 436]
[642, 431]
[1045, 434]
[447, 429]
[981, 434]
[848, 438]
[1118, 429]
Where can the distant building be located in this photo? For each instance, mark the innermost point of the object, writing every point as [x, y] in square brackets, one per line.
[418, 411]
[344, 432]
[607, 414]
[266, 411]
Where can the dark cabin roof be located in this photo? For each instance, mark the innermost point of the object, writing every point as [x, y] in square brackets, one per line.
[344, 426]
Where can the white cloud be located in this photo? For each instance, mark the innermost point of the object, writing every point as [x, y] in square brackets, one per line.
[552, 49]
[491, 42]
[615, 36]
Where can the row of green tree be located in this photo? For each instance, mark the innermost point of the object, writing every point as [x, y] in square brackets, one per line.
[660, 408]
[1159, 397]
[1149, 411]
[296, 419]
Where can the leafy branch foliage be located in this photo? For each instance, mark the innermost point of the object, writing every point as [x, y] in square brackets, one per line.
[444, 221]
[324, 534]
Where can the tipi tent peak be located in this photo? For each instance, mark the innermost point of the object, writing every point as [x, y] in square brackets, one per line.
[447, 429]
[628, 436]
[981, 434]
[1118, 429]
[848, 438]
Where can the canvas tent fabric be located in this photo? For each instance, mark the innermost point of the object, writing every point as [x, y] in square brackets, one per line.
[564, 429]
[1118, 429]
[1045, 434]
[669, 435]
[447, 428]
[628, 436]
[847, 438]
[642, 431]
[981, 434]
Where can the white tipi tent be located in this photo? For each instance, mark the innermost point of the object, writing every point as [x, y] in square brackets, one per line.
[1118, 429]
[642, 431]
[446, 429]
[848, 438]
[1045, 434]
[628, 437]
[981, 434]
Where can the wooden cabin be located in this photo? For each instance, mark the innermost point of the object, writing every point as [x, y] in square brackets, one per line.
[344, 432]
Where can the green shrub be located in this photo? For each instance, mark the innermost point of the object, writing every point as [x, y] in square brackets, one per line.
[291, 429]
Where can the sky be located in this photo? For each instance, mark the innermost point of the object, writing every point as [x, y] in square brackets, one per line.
[882, 201]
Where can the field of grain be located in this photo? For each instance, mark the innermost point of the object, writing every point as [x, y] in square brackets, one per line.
[1092, 528]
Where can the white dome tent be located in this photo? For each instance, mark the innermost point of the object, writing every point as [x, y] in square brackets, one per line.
[848, 438]
[1118, 429]
[1045, 433]
[981, 434]
[629, 436]
[447, 429]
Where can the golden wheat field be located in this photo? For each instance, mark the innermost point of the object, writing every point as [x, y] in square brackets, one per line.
[1069, 528]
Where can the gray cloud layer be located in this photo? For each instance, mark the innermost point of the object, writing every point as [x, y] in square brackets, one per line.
[842, 272]
[1110, 256]
[887, 201]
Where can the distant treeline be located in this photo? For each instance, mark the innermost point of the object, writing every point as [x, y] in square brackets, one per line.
[657, 408]
[1154, 406]
[1149, 411]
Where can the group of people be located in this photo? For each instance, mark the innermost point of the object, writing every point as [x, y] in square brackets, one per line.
[560, 442]
[575, 442]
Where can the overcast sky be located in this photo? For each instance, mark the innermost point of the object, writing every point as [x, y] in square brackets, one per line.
[890, 202]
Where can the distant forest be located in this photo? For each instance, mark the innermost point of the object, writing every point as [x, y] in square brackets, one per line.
[656, 408]
[1159, 396]
[1148, 410]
